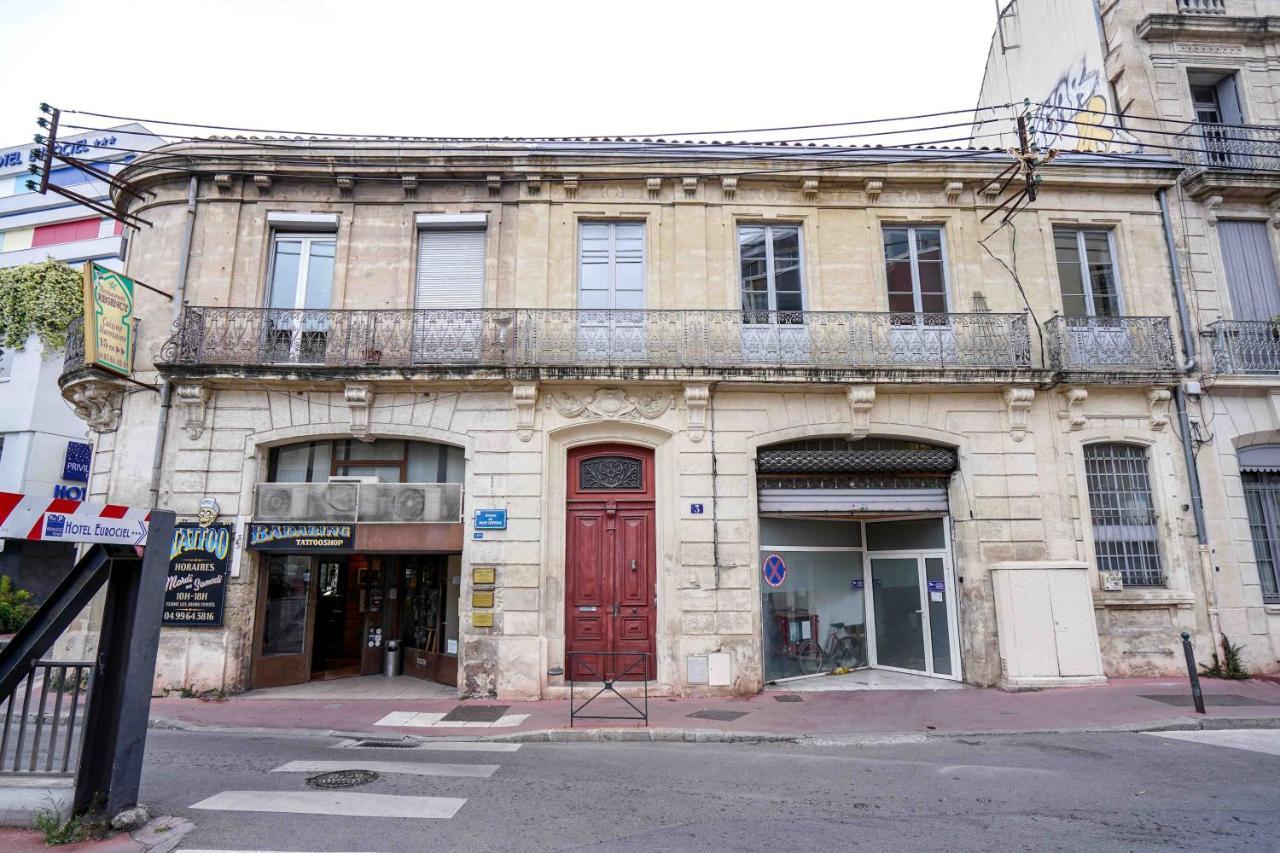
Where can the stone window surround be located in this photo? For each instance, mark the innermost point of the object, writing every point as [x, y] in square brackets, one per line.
[1117, 229]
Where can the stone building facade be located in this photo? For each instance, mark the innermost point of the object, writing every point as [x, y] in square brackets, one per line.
[1197, 80]
[735, 405]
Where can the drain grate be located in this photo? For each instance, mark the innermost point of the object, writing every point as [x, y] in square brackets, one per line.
[722, 716]
[787, 697]
[476, 714]
[341, 779]
[1220, 699]
[385, 744]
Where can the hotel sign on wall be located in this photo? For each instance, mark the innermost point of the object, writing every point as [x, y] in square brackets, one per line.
[108, 319]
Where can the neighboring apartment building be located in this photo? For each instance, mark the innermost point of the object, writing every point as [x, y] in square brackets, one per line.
[517, 406]
[43, 445]
[1195, 79]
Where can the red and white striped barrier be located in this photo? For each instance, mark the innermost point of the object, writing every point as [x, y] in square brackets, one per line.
[61, 520]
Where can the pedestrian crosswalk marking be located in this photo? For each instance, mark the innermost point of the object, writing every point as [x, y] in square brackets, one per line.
[434, 720]
[1266, 741]
[337, 803]
[410, 768]
[437, 746]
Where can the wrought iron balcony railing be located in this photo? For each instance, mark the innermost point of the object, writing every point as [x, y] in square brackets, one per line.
[1103, 344]
[1229, 146]
[365, 503]
[533, 337]
[1245, 346]
[1202, 7]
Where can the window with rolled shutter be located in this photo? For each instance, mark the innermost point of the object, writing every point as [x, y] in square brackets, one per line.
[450, 268]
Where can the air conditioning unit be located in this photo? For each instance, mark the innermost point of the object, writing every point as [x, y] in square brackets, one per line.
[334, 501]
[281, 502]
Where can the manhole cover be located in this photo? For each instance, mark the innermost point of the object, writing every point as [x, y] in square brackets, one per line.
[342, 779]
[476, 714]
[386, 744]
[722, 716]
[787, 697]
[1223, 700]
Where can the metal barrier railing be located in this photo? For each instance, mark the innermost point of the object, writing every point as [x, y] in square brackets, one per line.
[606, 675]
[44, 719]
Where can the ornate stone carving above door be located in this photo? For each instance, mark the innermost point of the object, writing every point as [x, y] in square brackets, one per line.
[612, 404]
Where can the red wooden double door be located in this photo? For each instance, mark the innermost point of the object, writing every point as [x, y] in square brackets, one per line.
[611, 595]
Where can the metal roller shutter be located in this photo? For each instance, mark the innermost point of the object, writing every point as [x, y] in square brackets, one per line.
[450, 268]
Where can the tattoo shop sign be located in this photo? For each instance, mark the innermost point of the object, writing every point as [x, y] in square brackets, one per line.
[301, 537]
[195, 590]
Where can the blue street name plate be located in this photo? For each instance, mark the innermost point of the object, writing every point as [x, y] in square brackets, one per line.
[491, 519]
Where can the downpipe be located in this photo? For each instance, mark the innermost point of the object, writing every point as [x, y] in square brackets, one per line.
[1184, 425]
[179, 297]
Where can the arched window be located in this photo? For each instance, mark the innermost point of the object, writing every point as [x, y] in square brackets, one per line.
[1260, 472]
[1123, 513]
[390, 460]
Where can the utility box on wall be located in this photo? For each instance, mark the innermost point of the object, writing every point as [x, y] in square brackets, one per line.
[1044, 618]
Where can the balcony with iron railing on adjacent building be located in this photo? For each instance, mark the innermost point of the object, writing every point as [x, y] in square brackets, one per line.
[1235, 161]
[728, 341]
[1113, 345]
[1245, 346]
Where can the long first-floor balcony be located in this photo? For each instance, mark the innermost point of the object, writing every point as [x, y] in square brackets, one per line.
[538, 338]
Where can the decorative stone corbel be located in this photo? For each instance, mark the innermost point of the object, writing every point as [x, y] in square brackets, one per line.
[98, 404]
[696, 397]
[810, 188]
[524, 396]
[494, 183]
[410, 185]
[223, 182]
[1018, 401]
[654, 186]
[192, 398]
[1076, 398]
[729, 186]
[570, 186]
[346, 185]
[1158, 405]
[873, 188]
[533, 185]
[263, 183]
[953, 190]
[1211, 205]
[359, 397]
[690, 186]
[991, 192]
[861, 399]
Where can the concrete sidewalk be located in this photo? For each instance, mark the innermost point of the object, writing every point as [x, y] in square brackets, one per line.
[1122, 704]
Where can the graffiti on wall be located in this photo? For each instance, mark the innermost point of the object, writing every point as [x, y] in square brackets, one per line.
[1075, 115]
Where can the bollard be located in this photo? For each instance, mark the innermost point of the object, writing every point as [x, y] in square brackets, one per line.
[1196, 695]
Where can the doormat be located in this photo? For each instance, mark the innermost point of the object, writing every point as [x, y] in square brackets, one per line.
[722, 716]
[1223, 700]
[476, 714]
[787, 697]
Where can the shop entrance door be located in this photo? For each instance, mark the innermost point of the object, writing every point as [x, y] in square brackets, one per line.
[911, 608]
[339, 621]
[609, 562]
[286, 613]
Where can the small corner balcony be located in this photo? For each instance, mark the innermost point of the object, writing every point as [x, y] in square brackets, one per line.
[575, 343]
[1121, 347]
[1245, 346]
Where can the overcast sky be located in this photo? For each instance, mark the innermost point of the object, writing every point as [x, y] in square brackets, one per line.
[491, 68]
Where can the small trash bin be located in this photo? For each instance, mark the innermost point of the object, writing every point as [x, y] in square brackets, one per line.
[391, 659]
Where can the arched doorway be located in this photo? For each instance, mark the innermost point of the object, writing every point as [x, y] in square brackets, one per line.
[610, 557]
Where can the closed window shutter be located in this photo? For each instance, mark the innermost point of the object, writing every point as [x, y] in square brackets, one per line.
[450, 269]
[1251, 272]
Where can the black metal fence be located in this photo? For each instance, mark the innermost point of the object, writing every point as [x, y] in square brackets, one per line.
[602, 667]
[44, 719]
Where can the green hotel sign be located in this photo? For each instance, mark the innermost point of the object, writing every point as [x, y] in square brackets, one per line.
[108, 319]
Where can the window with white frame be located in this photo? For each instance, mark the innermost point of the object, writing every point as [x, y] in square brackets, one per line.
[299, 295]
[1087, 272]
[915, 270]
[772, 279]
[1123, 513]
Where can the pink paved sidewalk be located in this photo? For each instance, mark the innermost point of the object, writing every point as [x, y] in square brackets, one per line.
[1118, 704]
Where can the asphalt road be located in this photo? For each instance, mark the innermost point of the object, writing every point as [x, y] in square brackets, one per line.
[1027, 792]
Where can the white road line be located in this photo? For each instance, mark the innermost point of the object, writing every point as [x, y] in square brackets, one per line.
[410, 768]
[439, 746]
[432, 720]
[1266, 741]
[337, 803]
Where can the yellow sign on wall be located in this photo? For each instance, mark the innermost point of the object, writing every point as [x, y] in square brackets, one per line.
[482, 598]
[108, 319]
[482, 620]
[484, 575]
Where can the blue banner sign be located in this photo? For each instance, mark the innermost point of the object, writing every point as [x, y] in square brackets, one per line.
[491, 519]
[76, 465]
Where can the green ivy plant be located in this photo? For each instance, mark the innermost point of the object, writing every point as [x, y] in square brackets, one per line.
[42, 298]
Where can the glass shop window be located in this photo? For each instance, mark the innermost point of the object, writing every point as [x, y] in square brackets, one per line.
[389, 460]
